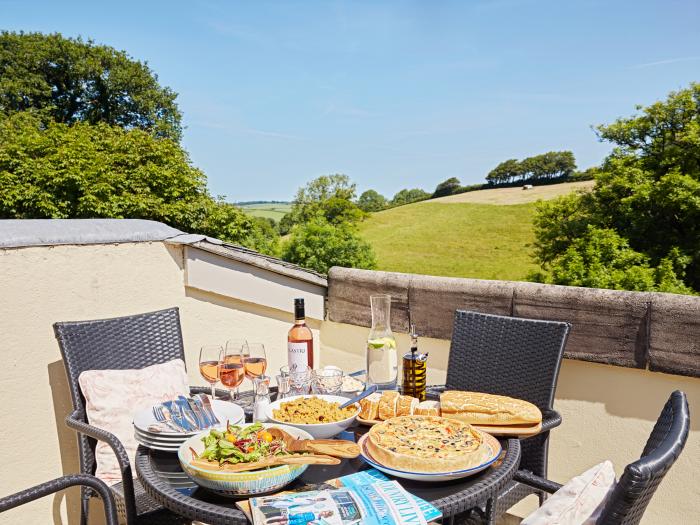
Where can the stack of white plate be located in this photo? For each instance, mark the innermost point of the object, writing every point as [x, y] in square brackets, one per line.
[166, 439]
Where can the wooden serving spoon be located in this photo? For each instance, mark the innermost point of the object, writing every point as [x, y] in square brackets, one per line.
[339, 448]
[307, 459]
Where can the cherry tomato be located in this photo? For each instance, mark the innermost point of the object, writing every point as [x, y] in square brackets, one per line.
[230, 438]
[265, 436]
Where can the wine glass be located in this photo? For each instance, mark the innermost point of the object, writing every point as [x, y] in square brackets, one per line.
[256, 361]
[209, 357]
[231, 367]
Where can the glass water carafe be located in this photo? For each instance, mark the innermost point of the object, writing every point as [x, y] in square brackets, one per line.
[382, 361]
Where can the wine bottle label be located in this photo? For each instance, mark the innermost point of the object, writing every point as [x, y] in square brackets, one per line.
[297, 356]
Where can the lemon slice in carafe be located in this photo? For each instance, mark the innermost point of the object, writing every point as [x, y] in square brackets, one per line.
[381, 342]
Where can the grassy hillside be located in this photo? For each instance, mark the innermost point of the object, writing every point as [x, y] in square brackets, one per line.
[275, 211]
[457, 240]
[460, 236]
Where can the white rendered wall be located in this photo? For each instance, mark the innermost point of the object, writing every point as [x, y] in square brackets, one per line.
[42, 285]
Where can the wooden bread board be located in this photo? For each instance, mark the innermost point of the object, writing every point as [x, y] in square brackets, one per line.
[495, 430]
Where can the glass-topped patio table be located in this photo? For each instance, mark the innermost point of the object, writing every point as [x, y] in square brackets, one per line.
[164, 480]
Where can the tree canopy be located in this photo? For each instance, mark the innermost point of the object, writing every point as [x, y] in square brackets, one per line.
[646, 200]
[447, 187]
[57, 170]
[329, 196]
[371, 200]
[407, 196]
[70, 80]
[319, 245]
[547, 166]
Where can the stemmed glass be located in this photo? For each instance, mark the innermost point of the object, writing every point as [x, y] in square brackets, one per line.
[209, 357]
[256, 361]
[231, 367]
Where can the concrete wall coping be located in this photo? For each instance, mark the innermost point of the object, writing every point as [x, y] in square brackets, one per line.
[648, 330]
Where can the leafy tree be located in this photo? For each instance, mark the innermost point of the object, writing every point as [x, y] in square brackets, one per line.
[406, 196]
[447, 187]
[328, 196]
[319, 245]
[370, 201]
[602, 259]
[55, 170]
[647, 191]
[506, 171]
[68, 80]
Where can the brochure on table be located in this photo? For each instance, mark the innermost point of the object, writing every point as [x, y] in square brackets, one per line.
[366, 497]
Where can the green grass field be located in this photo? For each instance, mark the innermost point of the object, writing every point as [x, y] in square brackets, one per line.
[274, 211]
[483, 241]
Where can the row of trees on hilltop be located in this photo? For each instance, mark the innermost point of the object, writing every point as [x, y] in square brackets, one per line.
[544, 167]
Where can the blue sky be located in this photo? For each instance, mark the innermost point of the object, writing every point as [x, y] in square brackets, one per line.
[394, 94]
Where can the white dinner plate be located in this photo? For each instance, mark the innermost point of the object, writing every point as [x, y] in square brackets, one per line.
[156, 446]
[224, 410]
[489, 441]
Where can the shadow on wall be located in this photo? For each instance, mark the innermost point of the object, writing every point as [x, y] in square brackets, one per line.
[638, 394]
[246, 307]
[70, 463]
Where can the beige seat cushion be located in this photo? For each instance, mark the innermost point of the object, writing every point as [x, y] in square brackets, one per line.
[113, 396]
[580, 501]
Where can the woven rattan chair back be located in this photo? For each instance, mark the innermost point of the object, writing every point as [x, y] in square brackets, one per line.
[640, 479]
[135, 341]
[512, 357]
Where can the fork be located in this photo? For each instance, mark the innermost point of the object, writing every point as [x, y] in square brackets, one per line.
[162, 418]
[177, 416]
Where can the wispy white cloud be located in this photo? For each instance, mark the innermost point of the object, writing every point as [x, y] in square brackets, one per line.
[238, 130]
[664, 62]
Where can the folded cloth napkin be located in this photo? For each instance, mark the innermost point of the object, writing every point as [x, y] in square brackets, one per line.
[113, 396]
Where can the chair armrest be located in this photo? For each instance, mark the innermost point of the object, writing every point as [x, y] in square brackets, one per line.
[76, 421]
[550, 420]
[528, 478]
[50, 487]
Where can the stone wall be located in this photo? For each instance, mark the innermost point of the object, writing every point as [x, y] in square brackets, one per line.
[657, 331]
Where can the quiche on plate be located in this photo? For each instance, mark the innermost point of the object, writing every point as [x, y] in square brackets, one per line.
[427, 444]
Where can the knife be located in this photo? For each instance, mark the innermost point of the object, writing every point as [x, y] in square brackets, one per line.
[176, 415]
[187, 415]
[202, 418]
[198, 403]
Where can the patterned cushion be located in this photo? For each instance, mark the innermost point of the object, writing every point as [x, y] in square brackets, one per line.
[579, 502]
[113, 396]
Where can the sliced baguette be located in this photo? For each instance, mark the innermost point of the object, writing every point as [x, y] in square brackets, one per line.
[387, 404]
[369, 406]
[488, 409]
[427, 408]
[406, 406]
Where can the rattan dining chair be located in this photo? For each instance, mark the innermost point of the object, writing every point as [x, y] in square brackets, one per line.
[135, 341]
[513, 357]
[56, 485]
[639, 481]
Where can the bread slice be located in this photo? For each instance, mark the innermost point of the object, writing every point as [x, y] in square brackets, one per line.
[369, 406]
[387, 404]
[427, 408]
[488, 409]
[406, 405]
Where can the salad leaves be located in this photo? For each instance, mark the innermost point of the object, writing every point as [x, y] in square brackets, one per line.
[240, 445]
